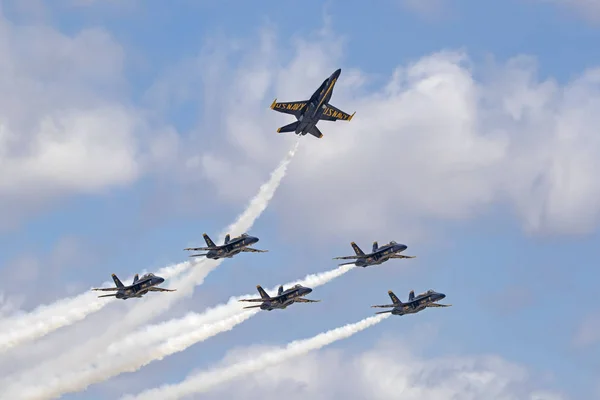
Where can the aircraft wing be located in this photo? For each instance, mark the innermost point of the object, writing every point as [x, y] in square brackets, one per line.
[401, 256]
[384, 306]
[293, 107]
[157, 289]
[333, 114]
[198, 248]
[301, 300]
[251, 250]
[439, 305]
[106, 289]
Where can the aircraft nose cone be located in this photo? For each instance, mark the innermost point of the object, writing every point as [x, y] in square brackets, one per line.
[441, 296]
[254, 239]
[161, 280]
[308, 290]
[402, 247]
[337, 72]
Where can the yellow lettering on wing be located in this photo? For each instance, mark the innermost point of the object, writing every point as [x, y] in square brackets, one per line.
[330, 112]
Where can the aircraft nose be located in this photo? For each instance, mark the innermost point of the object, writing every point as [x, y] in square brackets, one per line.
[337, 72]
[441, 295]
[161, 280]
[308, 290]
[254, 239]
[402, 247]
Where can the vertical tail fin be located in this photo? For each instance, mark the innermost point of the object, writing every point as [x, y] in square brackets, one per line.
[394, 298]
[280, 291]
[411, 295]
[262, 292]
[375, 246]
[118, 282]
[227, 238]
[208, 241]
[135, 279]
[357, 249]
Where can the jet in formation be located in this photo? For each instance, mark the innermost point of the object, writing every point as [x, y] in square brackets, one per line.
[138, 288]
[229, 248]
[309, 112]
[379, 255]
[283, 299]
[414, 304]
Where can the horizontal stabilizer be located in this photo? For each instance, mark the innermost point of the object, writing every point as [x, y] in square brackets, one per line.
[253, 300]
[383, 312]
[108, 289]
[251, 250]
[347, 258]
[315, 132]
[384, 306]
[401, 256]
[254, 306]
[438, 305]
[108, 295]
[157, 289]
[301, 300]
[197, 248]
[197, 255]
[288, 128]
[347, 263]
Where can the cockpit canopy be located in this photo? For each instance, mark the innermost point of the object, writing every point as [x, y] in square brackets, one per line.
[297, 286]
[244, 235]
[148, 275]
[393, 242]
[430, 291]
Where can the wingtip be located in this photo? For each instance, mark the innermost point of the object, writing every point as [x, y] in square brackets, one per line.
[273, 104]
[352, 116]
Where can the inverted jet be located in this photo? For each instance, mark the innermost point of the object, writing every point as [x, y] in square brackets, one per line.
[309, 112]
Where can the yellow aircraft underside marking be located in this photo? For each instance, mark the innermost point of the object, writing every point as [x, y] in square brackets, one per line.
[327, 92]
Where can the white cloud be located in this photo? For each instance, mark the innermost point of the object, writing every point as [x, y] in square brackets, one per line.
[433, 143]
[387, 371]
[65, 127]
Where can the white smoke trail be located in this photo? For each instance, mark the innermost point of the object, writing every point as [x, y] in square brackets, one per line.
[156, 305]
[204, 381]
[157, 342]
[22, 328]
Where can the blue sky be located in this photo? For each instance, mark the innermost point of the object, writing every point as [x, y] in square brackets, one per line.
[517, 262]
